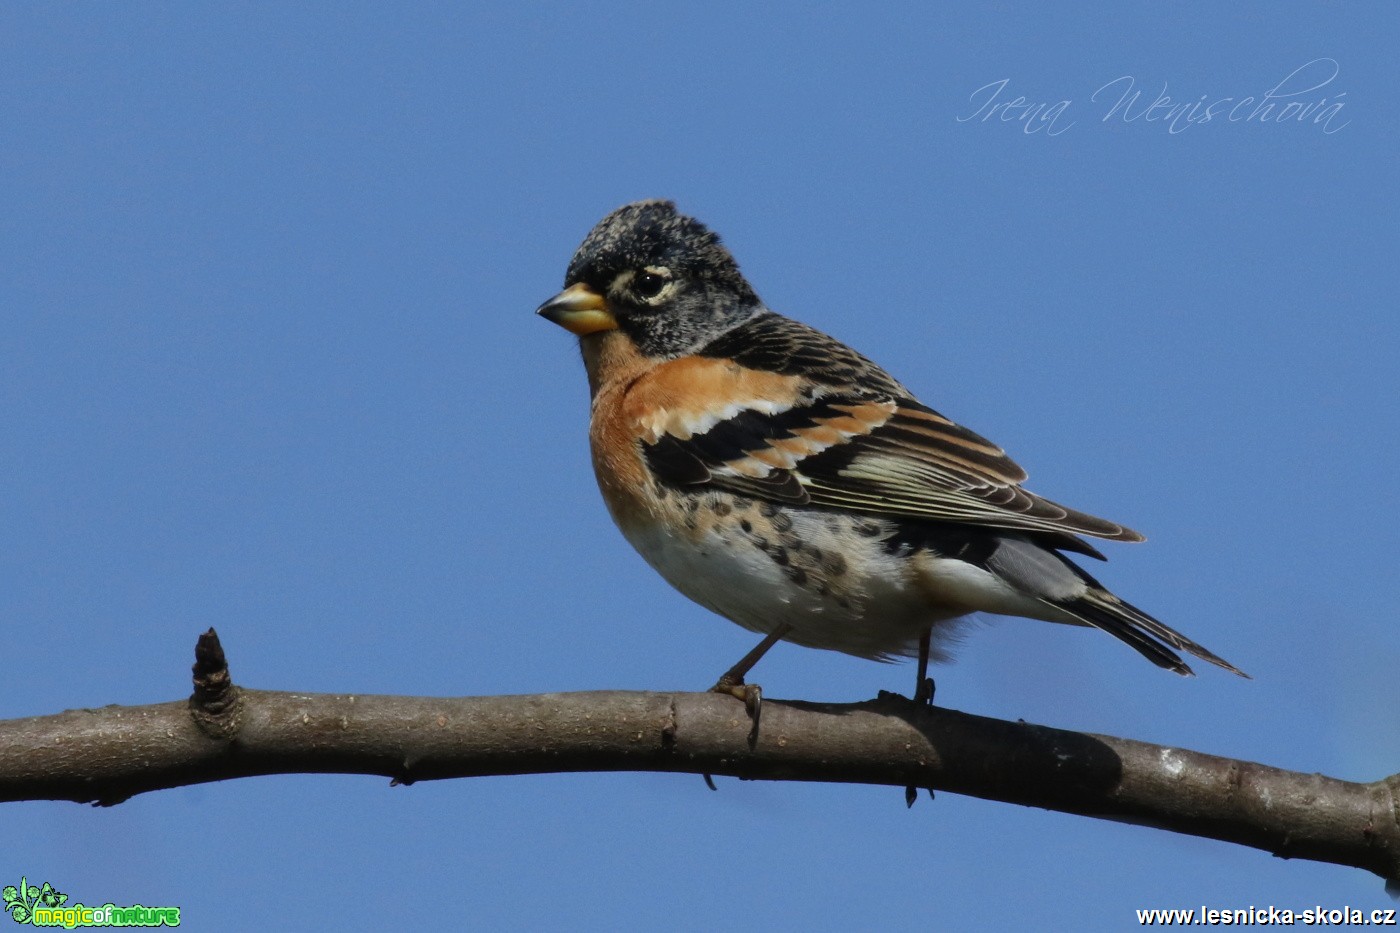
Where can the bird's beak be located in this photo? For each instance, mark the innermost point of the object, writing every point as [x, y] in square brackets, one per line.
[579, 309]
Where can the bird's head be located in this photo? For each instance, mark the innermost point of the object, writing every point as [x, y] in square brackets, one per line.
[661, 278]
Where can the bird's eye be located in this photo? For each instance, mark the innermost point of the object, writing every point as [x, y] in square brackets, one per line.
[648, 284]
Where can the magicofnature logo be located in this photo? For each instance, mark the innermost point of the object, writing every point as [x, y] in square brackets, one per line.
[21, 901]
[43, 906]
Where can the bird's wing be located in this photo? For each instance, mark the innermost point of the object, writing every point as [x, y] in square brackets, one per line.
[837, 431]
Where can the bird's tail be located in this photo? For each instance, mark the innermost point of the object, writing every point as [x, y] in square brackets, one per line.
[1127, 623]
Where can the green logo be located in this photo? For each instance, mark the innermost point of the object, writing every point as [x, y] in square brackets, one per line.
[44, 907]
[21, 901]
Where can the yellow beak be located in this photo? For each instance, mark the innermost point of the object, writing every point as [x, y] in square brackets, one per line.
[579, 309]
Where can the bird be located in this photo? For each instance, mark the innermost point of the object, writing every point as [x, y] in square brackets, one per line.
[782, 480]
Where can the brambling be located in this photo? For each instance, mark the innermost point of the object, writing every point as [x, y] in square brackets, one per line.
[777, 477]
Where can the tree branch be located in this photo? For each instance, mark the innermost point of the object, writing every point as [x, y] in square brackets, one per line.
[106, 755]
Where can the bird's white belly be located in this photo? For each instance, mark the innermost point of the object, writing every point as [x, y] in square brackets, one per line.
[872, 609]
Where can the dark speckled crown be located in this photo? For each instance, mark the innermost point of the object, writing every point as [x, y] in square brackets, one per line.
[710, 297]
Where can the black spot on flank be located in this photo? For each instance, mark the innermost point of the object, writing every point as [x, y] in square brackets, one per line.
[797, 575]
[746, 525]
[835, 564]
[965, 542]
[867, 529]
[722, 508]
[780, 556]
[767, 509]
[977, 545]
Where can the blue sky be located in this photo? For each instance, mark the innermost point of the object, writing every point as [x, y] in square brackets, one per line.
[268, 362]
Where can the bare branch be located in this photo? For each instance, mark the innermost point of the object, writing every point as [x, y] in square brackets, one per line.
[223, 731]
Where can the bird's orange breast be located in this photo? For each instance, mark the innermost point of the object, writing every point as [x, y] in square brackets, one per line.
[637, 400]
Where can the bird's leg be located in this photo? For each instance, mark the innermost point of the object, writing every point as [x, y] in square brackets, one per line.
[732, 681]
[923, 693]
[923, 686]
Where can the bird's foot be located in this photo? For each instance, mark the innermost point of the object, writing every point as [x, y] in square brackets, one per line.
[751, 694]
[911, 794]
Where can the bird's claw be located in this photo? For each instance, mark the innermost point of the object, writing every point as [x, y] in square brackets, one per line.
[911, 794]
[751, 694]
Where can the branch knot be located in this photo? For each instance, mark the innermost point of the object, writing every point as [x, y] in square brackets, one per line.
[216, 704]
